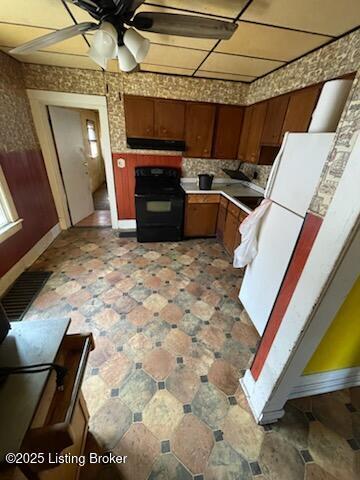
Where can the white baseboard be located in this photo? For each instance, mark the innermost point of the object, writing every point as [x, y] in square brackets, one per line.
[127, 224]
[325, 382]
[29, 258]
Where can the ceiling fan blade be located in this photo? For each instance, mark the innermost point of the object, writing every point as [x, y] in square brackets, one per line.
[54, 37]
[135, 4]
[183, 25]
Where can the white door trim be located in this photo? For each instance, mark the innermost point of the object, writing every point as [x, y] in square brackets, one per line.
[39, 100]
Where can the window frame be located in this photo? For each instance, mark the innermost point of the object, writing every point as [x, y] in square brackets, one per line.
[8, 207]
[90, 141]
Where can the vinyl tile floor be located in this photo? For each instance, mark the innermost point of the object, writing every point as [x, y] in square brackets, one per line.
[162, 385]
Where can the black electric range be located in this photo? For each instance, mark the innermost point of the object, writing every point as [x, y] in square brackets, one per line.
[159, 202]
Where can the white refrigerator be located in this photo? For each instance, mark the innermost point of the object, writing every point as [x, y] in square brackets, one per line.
[291, 186]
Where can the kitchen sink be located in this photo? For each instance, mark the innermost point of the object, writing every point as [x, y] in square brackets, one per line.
[251, 202]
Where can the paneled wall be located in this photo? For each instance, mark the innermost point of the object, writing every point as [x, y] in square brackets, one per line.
[23, 166]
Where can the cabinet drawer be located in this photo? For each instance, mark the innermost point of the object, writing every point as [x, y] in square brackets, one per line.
[234, 210]
[203, 198]
[224, 201]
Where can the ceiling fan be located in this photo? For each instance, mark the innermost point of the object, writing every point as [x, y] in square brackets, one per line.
[116, 31]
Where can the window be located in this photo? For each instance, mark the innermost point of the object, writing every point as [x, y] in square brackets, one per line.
[92, 138]
[9, 219]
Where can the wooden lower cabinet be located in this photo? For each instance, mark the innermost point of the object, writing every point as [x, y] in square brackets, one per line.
[201, 214]
[207, 215]
[221, 219]
[232, 237]
[231, 226]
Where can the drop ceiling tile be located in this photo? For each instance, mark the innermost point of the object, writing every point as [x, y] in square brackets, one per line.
[175, 56]
[198, 43]
[80, 14]
[221, 62]
[39, 13]
[256, 40]
[14, 35]
[57, 59]
[145, 67]
[224, 8]
[329, 17]
[113, 66]
[224, 76]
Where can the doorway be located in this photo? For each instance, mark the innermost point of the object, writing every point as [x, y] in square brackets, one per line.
[39, 102]
[76, 134]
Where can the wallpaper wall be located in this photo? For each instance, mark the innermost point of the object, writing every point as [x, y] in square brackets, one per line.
[333, 60]
[16, 125]
[23, 166]
[348, 128]
[338, 58]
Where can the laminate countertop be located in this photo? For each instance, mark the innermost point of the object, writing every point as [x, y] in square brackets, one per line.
[27, 343]
[230, 190]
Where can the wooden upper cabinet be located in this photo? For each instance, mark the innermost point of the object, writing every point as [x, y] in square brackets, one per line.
[139, 116]
[301, 106]
[245, 133]
[275, 116]
[169, 119]
[227, 133]
[200, 121]
[258, 115]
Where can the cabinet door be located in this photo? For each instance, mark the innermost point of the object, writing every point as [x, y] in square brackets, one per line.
[199, 126]
[245, 133]
[256, 128]
[169, 119]
[230, 232]
[300, 109]
[242, 217]
[220, 227]
[139, 116]
[228, 128]
[274, 120]
[200, 219]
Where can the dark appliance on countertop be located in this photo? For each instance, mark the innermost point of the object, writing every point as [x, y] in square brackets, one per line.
[250, 202]
[159, 202]
[205, 181]
[236, 174]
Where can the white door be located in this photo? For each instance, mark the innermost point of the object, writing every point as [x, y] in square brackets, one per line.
[297, 170]
[66, 125]
[278, 234]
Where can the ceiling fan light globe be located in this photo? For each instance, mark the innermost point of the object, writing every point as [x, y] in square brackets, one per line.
[104, 44]
[126, 60]
[137, 44]
[97, 57]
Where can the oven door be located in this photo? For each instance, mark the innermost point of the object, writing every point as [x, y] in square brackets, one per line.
[159, 210]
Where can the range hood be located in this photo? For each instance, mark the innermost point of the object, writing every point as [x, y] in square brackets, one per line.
[155, 144]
